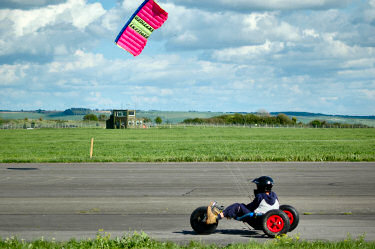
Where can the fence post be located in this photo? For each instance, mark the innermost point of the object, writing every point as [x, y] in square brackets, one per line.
[92, 147]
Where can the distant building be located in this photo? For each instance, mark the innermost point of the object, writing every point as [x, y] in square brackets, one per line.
[123, 119]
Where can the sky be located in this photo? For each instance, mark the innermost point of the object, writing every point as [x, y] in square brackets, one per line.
[224, 55]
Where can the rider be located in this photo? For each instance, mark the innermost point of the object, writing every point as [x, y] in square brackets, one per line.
[264, 201]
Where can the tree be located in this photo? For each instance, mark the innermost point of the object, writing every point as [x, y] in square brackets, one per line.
[77, 111]
[146, 120]
[90, 117]
[238, 119]
[102, 117]
[158, 120]
[317, 123]
[283, 119]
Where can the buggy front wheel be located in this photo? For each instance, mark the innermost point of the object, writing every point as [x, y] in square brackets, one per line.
[198, 221]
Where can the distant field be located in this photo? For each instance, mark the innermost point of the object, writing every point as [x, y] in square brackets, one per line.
[342, 120]
[167, 116]
[44, 116]
[174, 117]
[177, 117]
[187, 144]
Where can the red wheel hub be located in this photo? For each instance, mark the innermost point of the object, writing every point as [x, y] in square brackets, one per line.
[275, 223]
[290, 216]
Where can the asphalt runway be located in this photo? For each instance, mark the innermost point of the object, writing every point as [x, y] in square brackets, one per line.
[65, 201]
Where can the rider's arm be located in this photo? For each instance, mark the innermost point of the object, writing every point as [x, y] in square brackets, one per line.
[255, 203]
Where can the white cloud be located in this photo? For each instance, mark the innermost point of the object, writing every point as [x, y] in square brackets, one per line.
[338, 49]
[370, 94]
[75, 12]
[9, 74]
[327, 99]
[252, 21]
[12, 94]
[247, 53]
[243, 85]
[186, 37]
[131, 6]
[81, 61]
[66, 94]
[39, 34]
[358, 73]
[360, 63]
[246, 5]
[26, 4]
[310, 33]
[202, 30]
[295, 89]
[369, 12]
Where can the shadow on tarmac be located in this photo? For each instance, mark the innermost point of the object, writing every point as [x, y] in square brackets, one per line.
[242, 233]
[22, 168]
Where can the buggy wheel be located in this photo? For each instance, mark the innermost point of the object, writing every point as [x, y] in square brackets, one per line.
[275, 222]
[292, 214]
[198, 221]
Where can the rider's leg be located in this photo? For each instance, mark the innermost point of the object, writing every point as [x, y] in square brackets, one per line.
[235, 210]
[212, 213]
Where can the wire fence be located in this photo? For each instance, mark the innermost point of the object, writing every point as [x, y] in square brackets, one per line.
[52, 125]
[296, 126]
[102, 125]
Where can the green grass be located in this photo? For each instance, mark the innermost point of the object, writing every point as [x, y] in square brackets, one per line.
[188, 144]
[143, 241]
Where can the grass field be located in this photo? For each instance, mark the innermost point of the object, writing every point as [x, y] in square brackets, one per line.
[143, 241]
[188, 144]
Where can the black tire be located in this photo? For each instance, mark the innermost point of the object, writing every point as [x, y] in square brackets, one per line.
[198, 221]
[292, 214]
[275, 222]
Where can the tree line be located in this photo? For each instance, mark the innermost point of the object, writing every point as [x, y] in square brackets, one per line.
[261, 120]
[244, 119]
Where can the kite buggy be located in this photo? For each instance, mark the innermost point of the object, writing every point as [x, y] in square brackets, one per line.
[263, 213]
[274, 222]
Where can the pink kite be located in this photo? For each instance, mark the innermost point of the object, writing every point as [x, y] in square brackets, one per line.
[148, 17]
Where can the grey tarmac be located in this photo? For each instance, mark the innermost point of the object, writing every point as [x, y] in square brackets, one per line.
[65, 201]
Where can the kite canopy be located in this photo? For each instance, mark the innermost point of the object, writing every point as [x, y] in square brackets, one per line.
[148, 17]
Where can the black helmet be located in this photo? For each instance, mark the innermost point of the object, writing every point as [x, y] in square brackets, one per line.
[264, 184]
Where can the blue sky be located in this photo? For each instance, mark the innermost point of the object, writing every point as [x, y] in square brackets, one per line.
[223, 55]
